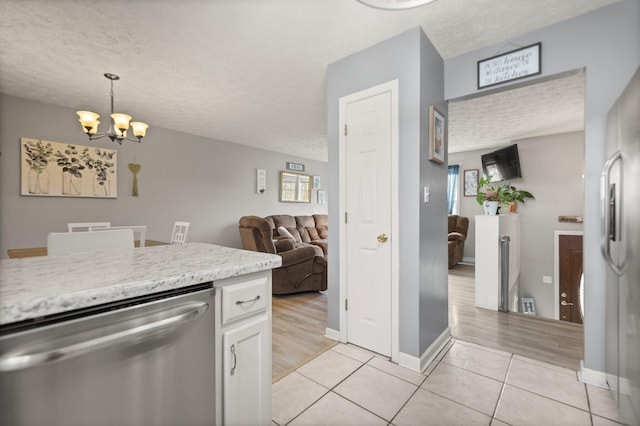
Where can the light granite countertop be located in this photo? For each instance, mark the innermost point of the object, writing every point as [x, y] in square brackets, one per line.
[38, 286]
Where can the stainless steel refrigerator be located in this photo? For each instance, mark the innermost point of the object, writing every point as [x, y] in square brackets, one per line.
[620, 194]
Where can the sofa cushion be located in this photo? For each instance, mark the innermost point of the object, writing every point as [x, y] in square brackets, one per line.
[284, 244]
[285, 220]
[323, 231]
[291, 233]
[296, 234]
[313, 233]
[303, 223]
[304, 234]
[321, 219]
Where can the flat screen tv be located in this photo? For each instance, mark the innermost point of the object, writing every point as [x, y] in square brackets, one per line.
[503, 164]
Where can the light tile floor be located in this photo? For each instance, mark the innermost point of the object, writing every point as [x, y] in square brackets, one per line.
[467, 384]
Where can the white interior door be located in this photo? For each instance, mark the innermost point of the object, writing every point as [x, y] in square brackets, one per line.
[368, 205]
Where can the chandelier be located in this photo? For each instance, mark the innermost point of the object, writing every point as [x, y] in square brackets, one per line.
[119, 122]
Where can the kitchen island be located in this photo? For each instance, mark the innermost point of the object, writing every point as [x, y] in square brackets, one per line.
[234, 311]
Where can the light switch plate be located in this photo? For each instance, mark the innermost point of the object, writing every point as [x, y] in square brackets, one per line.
[547, 279]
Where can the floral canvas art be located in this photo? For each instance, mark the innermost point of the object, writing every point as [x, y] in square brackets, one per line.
[67, 170]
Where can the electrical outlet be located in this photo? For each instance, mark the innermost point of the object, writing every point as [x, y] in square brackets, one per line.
[547, 279]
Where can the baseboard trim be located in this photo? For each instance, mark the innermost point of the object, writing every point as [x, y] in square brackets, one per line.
[420, 364]
[332, 334]
[469, 259]
[592, 377]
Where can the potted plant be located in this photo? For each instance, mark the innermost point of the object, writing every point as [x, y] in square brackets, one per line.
[491, 197]
[513, 195]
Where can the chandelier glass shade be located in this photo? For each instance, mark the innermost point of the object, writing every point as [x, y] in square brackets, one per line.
[119, 122]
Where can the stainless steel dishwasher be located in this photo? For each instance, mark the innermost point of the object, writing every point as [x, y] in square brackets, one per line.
[144, 361]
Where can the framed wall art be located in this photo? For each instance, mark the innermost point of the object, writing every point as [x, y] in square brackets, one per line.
[471, 183]
[514, 65]
[54, 169]
[437, 135]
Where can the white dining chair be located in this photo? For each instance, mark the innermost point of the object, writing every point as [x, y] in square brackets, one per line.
[140, 230]
[86, 226]
[179, 234]
[74, 242]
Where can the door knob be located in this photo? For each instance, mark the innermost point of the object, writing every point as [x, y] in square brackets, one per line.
[565, 303]
[382, 238]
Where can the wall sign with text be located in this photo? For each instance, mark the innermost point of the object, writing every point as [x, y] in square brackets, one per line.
[296, 167]
[513, 65]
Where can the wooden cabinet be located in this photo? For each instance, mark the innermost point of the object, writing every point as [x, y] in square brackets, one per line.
[243, 353]
[489, 230]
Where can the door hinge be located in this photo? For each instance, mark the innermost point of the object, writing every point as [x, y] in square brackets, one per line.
[345, 217]
[346, 304]
[345, 130]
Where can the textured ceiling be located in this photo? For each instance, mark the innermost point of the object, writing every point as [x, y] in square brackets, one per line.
[245, 71]
[548, 108]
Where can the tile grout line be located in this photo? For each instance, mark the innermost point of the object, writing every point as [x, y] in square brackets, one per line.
[504, 382]
[331, 390]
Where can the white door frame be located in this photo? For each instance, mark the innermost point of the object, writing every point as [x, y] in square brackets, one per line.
[556, 268]
[393, 88]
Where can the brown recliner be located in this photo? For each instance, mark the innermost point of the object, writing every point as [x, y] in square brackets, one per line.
[301, 270]
[458, 227]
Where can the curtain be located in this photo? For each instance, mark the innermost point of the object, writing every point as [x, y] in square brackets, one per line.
[452, 186]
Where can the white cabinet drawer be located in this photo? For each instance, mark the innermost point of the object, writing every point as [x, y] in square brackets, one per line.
[244, 299]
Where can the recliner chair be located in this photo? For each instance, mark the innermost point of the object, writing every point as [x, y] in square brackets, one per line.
[302, 269]
[458, 226]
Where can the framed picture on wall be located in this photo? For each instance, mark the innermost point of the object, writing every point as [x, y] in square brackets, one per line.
[471, 182]
[56, 169]
[437, 135]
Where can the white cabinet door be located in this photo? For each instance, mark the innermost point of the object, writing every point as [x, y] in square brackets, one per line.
[247, 373]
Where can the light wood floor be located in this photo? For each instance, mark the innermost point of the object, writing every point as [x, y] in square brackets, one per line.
[299, 325]
[300, 320]
[555, 342]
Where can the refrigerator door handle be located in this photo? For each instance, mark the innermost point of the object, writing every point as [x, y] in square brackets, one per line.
[608, 226]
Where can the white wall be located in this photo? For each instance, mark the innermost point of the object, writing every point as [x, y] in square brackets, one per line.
[605, 42]
[552, 170]
[207, 182]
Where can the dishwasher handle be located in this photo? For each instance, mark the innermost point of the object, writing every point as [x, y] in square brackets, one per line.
[183, 314]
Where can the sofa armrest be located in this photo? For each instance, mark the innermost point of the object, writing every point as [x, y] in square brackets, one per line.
[456, 236]
[298, 255]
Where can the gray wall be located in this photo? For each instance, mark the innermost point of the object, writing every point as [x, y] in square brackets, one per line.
[607, 43]
[433, 255]
[207, 182]
[552, 169]
[410, 58]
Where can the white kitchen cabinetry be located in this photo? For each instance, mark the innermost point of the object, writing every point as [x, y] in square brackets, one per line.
[489, 230]
[243, 353]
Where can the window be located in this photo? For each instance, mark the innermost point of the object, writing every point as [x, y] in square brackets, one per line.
[453, 205]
